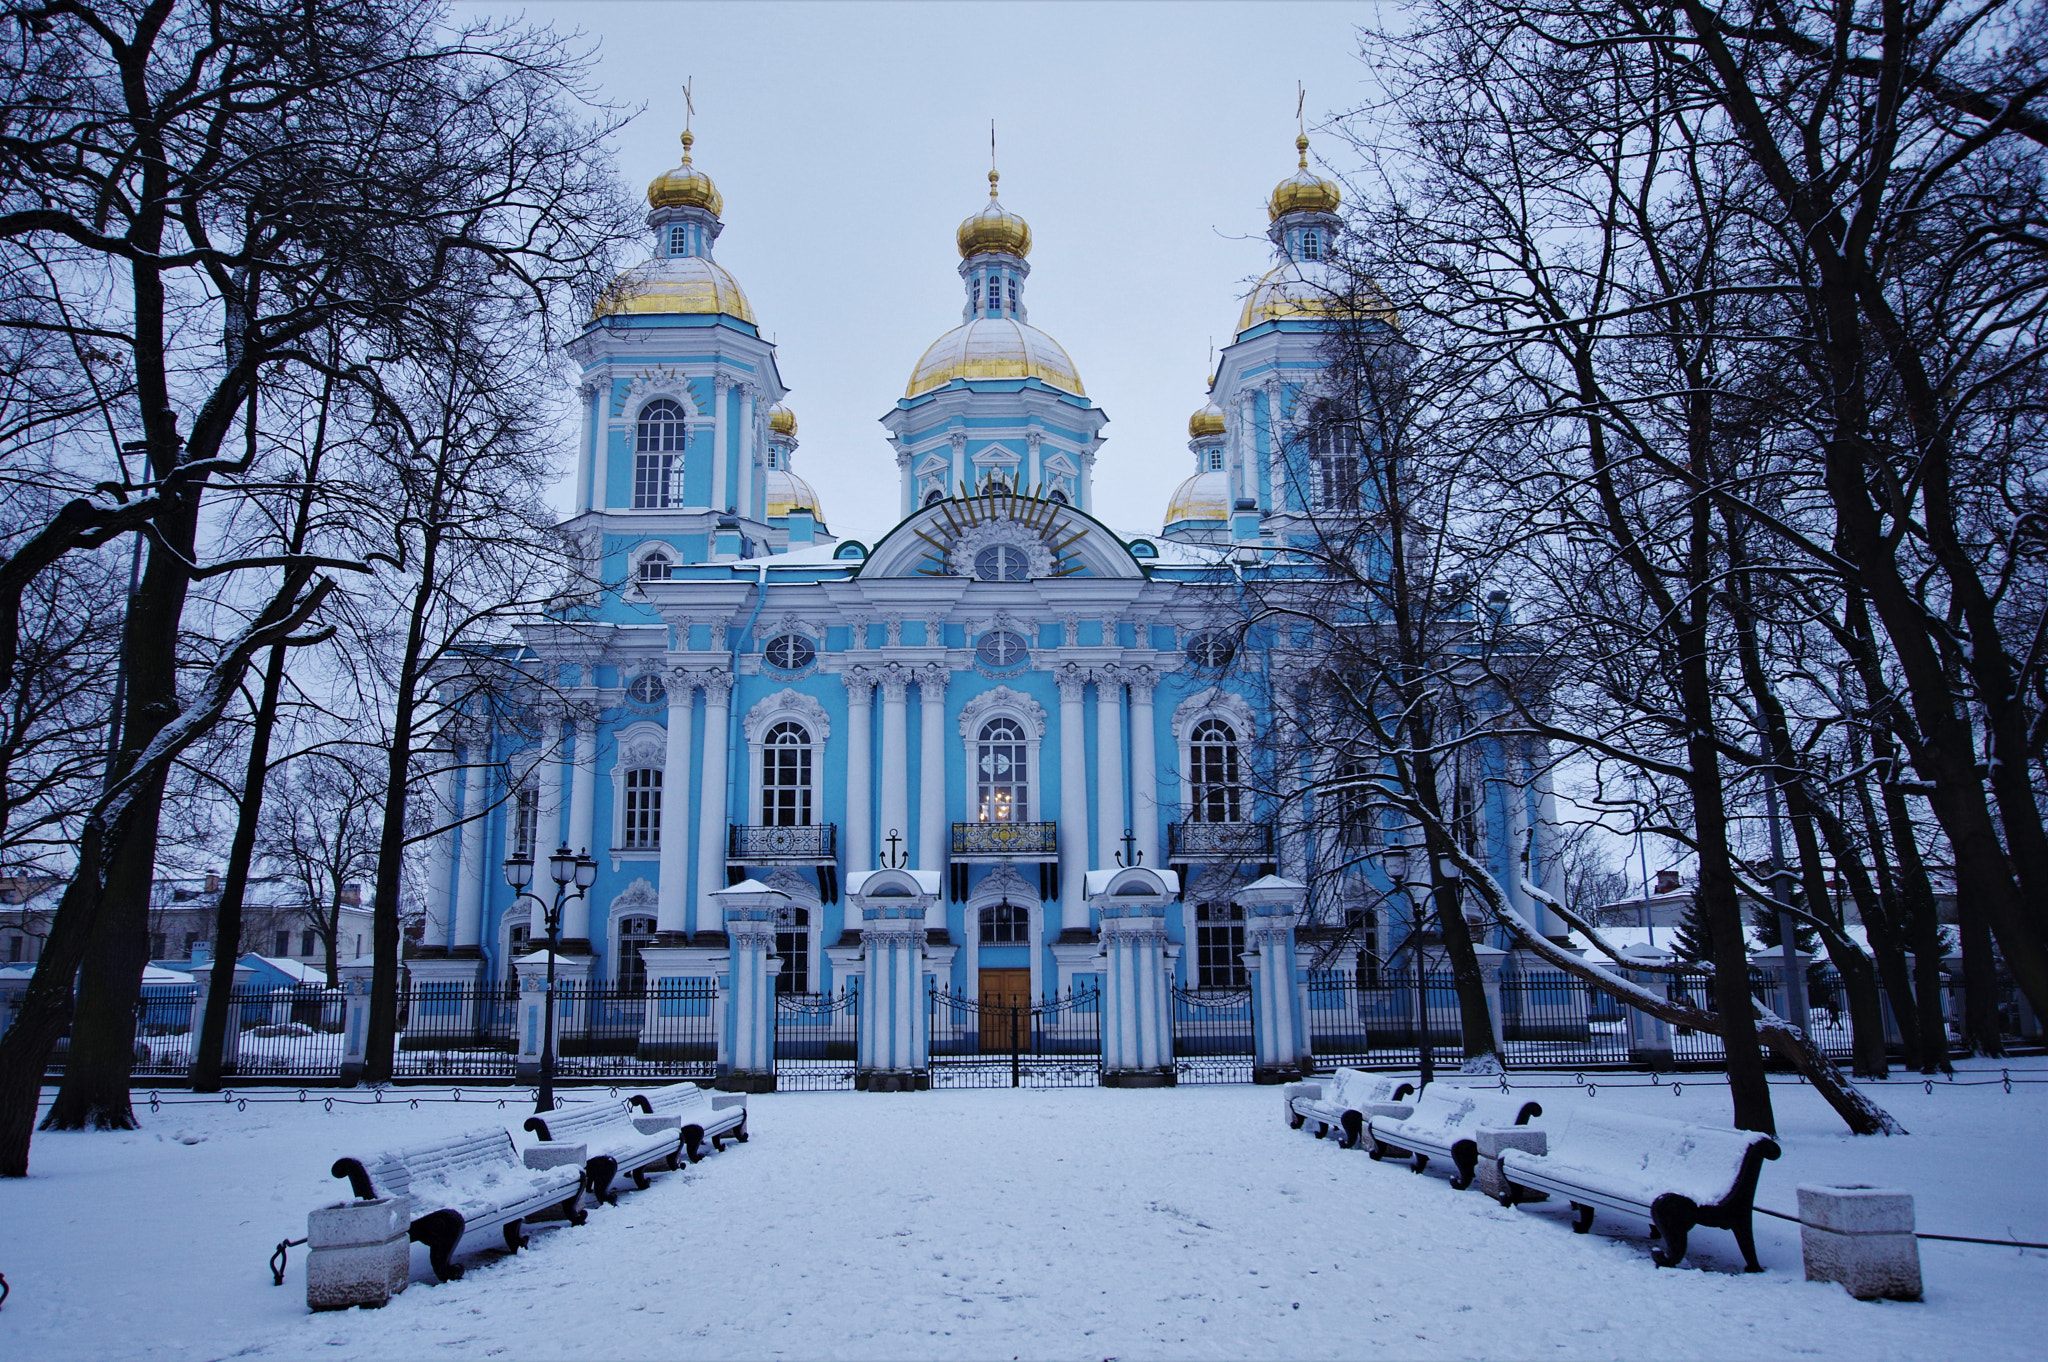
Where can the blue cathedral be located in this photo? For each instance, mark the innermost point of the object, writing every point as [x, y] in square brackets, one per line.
[997, 750]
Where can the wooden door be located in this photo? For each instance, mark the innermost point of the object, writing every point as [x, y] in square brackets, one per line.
[1005, 1010]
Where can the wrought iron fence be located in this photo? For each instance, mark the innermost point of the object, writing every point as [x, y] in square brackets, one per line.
[759, 844]
[1212, 1035]
[1219, 843]
[1053, 1043]
[1006, 839]
[817, 1041]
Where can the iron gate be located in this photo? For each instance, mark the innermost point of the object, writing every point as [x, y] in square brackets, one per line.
[817, 1041]
[1052, 1043]
[1212, 1035]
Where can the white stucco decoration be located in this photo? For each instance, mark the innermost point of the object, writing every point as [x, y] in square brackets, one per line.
[637, 898]
[1001, 884]
[788, 704]
[647, 386]
[990, 533]
[1214, 702]
[1002, 700]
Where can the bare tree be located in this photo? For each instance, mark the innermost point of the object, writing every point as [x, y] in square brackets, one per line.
[320, 830]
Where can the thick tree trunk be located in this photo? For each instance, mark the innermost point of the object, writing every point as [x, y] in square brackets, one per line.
[1982, 1034]
[46, 1008]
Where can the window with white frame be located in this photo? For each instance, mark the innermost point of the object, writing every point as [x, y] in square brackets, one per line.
[977, 293]
[1005, 924]
[1013, 296]
[678, 239]
[1001, 649]
[793, 948]
[659, 438]
[647, 690]
[1311, 245]
[1219, 946]
[1334, 452]
[642, 830]
[634, 933]
[1365, 930]
[772, 456]
[1213, 774]
[525, 820]
[935, 496]
[1002, 775]
[789, 652]
[786, 776]
[1002, 563]
[1215, 461]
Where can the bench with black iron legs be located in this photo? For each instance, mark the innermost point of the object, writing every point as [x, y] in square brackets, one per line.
[471, 1184]
[1442, 1126]
[608, 1130]
[695, 1114]
[1676, 1174]
[1345, 1101]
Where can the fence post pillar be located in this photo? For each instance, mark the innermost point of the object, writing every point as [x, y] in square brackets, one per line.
[355, 1020]
[231, 1039]
[572, 1006]
[1649, 1038]
[445, 995]
[895, 1035]
[1136, 1025]
[1272, 907]
[528, 1024]
[1490, 960]
[749, 909]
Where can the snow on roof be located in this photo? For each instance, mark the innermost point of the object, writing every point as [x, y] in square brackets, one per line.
[928, 881]
[291, 969]
[157, 974]
[1097, 881]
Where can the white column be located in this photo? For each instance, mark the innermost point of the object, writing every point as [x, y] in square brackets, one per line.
[469, 901]
[1144, 767]
[711, 801]
[745, 499]
[441, 858]
[1109, 765]
[582, 819]
[547, 817]
[1073, 801]
[859, 852]
[931, 778]
[672, 894]
[720, 447]
[895, 683]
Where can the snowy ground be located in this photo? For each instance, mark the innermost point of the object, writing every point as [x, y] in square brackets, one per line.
[1067, 1224]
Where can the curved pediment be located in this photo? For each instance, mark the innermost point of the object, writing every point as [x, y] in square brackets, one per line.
[1053, 539]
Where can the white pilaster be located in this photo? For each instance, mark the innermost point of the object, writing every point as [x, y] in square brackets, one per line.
[1073, 801]
[748, 911]
[469, 900]
[440, 929]
[1109, 764]
[859, 852]
[582, 821]
[721, 450]
[1144, 765]
[672, 893]
[895, 682]
[1272, 908]
[931, 780]
[711, 807]
[1137, 1029]
[547, 811]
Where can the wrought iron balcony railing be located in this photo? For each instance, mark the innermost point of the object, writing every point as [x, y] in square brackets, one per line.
[1027, 841]
[1219, 843]
[757, 844]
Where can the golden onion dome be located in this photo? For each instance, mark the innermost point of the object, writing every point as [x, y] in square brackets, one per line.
[995, 230]
[781, 420]
[675, 283]
[1205, 496]
[1206, 422]
[995, 347]
[786, 492]
[685, 186]
[1303, 191]
[1302, 290]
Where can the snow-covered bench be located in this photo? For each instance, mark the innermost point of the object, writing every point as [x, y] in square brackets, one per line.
[471, 1184]
[618, 1138]
[1345, 1101]
[1678, 1175]
[1443, 1125]
[696, 1114]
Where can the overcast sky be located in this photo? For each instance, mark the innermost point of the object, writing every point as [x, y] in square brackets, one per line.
[1139, 140]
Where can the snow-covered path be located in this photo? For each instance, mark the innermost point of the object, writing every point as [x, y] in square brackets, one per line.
[1083, 1224]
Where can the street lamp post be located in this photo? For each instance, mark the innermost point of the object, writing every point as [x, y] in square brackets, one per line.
[1395, 858]
[564, 867]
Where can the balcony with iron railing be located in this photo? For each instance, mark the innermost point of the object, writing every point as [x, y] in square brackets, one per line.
[999, 841]
[761, 844]
[1219, 843]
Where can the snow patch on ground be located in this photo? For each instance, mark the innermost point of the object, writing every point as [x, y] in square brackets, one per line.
[1057, 1224]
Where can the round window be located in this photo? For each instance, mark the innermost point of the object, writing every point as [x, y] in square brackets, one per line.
[1002, 563]
[1000, 648]
[1211, 649]
[647, 690]
[789, 652]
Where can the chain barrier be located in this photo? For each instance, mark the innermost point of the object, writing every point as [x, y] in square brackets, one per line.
[1922, 1234]
[240, 1101]
[278, 1259]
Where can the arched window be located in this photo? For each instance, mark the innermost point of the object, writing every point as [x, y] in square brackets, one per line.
[977, 293]
[631, 974]
[1311, 245]
[1002, 563]
[1002, 784]
[678, 239]
[1215, 461]
[786, 777]
[517, 939]
[1334, 450]
[1365, 930]
[1213, 774]
[1013, 297]
[1219, 946]
[525, 819]
[935, 496]
[643, 809]
[1059, 498]
[793, 948]
[658, 449]
[654, 567]
[1005, 925]
[772, 465]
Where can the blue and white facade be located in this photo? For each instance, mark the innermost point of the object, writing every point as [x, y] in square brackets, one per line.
[998, 694]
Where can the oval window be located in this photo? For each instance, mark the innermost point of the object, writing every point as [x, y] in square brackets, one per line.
[1001, 648]
[1002, 563]
[1211, 649]
[789, 652]
[647, 690]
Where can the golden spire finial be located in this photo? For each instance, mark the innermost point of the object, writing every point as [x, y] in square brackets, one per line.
[993, 174]
[689, 112]
[1301, 123]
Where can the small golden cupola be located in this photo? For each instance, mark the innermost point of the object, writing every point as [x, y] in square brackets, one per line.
[1304, 191]
[995, 230]
[681, 278]
[685, 186]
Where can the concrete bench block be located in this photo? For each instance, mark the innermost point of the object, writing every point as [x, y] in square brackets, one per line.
[551, 1155]
[1861, 1237]
[1491, 1141]
[358, 1253]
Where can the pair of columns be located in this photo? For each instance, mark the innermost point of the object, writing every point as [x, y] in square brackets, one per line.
[455, 869]
[1110, 794]
[863, 833]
